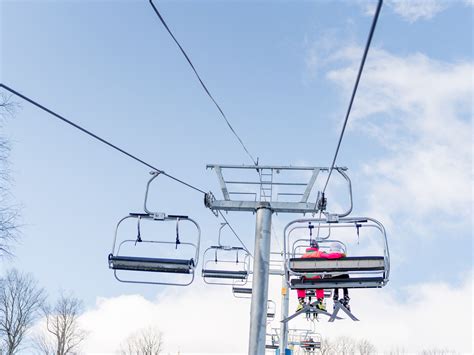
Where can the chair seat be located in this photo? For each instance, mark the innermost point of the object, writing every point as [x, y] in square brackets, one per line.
[347, 264]
[242, 290]
[224, 274]
[136, 263]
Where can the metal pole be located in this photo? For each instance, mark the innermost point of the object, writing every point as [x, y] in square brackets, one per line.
[285, 303]
[261, 265]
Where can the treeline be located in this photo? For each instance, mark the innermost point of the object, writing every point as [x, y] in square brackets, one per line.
[345, 345]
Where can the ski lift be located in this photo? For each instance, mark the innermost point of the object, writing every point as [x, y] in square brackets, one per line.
[225, 265]
[131, 256]
[271, 310]
[311, 343]
[273, 340]
[364, 271]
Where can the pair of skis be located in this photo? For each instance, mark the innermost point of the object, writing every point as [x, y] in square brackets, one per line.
[311, 309]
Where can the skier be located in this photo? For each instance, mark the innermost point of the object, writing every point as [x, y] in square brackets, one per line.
[314, 252]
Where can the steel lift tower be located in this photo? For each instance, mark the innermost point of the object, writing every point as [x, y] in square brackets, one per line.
[264, 195]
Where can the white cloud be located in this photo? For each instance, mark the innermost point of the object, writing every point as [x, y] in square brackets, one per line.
[193, 320]
[414, 318]
[410, 10]
[413, 10]
[420, 110]
[208, 320]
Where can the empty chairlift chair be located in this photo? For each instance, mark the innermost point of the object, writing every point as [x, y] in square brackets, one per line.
[138, 260]
[226, 265]
[370, 271]
[272, 340]
[271, 310]
[240, 290]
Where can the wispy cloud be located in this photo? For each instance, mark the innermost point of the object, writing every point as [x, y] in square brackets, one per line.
[413, 10]
[420, 110]
[410, 10]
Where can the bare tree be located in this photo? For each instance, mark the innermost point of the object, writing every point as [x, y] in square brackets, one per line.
[8, 107]
[43, 344]
[327, 347]
[20, 303]
[8, 213]
[365, 347]
[397, 351]
[344, 345]
[65, 334]
[436, 351]
[147, 341]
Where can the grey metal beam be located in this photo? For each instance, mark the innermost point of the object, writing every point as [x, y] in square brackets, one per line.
[222, 183]
[276, 206]
[275, 167]
[310, 185]
[264, 183]
[285, 302]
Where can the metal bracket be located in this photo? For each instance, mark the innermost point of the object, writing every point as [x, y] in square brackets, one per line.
[332, 218]
[208, 201]
[159, 216]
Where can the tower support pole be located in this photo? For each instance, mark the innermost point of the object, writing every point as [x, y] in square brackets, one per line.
[261, 266]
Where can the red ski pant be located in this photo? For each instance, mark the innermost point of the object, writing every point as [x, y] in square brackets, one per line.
[301, 293]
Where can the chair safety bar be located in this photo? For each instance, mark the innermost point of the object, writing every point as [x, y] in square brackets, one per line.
[334, 282]
[312, 293]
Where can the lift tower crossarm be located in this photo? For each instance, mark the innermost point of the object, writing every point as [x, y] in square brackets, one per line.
[287, 191]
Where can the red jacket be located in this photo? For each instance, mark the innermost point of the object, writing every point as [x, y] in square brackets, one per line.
[314, 253]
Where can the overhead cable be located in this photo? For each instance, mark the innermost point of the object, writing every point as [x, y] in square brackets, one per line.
[31, 101]
[201, 82]
[235, 233]
[361, 68]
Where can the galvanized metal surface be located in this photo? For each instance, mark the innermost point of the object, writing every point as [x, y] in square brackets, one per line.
[258, 308]
[285, 304]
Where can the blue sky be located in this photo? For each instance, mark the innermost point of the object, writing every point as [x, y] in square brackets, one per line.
[282, 71]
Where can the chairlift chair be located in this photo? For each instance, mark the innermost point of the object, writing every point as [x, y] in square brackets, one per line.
[271, 310]
[273, 340]
[225, 265]
[123, 263]
[310, 345]
[364, 271]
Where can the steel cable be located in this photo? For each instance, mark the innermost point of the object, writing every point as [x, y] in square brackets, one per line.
[75, 125]
[361, 67]
[201, 81]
